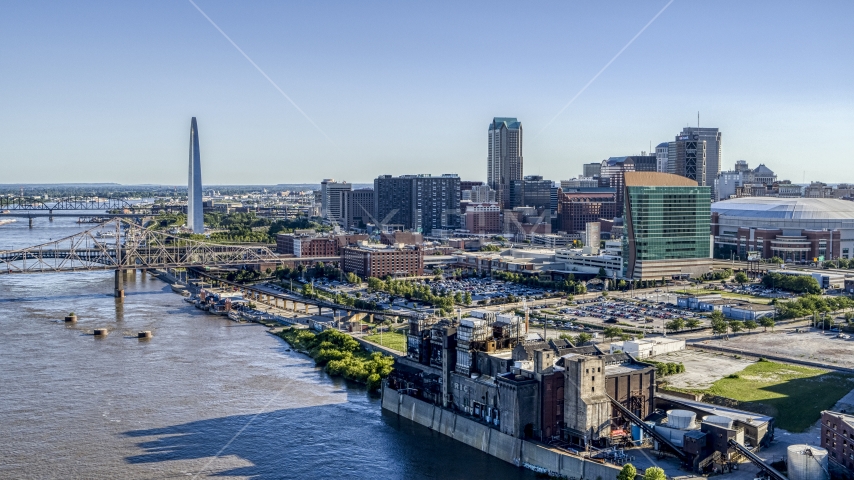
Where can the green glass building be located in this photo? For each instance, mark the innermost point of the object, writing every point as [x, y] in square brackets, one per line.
[668, 233]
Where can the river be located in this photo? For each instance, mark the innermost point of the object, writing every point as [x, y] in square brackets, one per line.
[205, 397]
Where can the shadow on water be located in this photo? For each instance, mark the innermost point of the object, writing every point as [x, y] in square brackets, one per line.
[348, 440]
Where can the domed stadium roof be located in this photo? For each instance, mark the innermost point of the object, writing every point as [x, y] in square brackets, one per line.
[786, 208]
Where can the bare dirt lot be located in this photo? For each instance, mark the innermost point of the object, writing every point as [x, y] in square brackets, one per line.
[702, 369]
[810, 346]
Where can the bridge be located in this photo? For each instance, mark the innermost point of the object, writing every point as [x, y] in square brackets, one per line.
[67, 203]
[121, 245]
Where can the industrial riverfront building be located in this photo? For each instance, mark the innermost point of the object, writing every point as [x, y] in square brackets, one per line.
[504, 162]
[195, 207]
[667, 227]
[490, 370]
[797, 230]
[420, 203]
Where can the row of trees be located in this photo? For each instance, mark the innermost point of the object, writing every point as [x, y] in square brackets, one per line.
[677, 324]
[623, 285]
[720, 326]
[792, 283]
[570, 285]
[421, 292]
[812, 304]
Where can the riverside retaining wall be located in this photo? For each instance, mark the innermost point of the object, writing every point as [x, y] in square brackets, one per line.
[513, 450]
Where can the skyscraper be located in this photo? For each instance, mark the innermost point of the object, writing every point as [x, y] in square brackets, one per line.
[667, 227]
[195, 208]
[697, 155]
[417, 202]
[332, 199]
[504, 160]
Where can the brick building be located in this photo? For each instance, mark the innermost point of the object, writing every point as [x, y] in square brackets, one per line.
[837, 436]
[483, 218]
[575, 210]
[381, 261]
[313, 245]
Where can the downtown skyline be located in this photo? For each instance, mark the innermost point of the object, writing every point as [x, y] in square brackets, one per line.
[404, 89]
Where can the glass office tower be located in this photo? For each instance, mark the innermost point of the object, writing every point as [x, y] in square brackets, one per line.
[667, 227]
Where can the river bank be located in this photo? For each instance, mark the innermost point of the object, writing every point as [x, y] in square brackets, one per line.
[340, 355]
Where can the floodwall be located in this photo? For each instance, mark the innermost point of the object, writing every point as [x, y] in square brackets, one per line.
[521, 453]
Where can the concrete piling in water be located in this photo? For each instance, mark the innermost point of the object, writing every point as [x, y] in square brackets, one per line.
[71, 318]
[119, 290]
[144, 335]
[100, 332]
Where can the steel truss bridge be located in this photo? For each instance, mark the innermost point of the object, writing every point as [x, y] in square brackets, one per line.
[122, 245]
[69, 203]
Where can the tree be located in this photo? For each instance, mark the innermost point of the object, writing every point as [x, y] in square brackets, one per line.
[583, 338]
[654, 473]
[741, 278]
[719, 327]
[767, 322]
[693, 323]
[628, 472]
[675, 325]
[467, 298]
[750, 325]
[716, 315]
[736, 326]
[611, 332]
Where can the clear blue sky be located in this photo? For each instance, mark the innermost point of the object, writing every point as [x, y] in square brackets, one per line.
[104, 91]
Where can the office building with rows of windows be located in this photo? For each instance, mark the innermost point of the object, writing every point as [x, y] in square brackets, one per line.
[667, 227]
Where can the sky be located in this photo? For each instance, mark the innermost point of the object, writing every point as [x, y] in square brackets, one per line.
[104, 91]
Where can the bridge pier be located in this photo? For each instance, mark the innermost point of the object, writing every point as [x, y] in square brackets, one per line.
[119, 291]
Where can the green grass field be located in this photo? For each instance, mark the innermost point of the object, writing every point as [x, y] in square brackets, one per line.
[797, 394]
[394, 341]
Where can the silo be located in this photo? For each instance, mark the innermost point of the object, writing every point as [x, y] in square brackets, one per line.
[719, 420]
[807, 462]
[681, 419]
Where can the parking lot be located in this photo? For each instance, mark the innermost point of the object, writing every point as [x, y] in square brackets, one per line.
[638, 313]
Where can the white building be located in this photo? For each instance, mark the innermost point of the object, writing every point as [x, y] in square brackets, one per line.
[649, 347]
[332, 199]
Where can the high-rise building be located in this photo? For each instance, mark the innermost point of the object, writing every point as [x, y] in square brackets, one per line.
[698, 153]
[417, 202]
[591, 170]
[195, 207]
[332, 199]
[661, 157]
[615, 168]
[667, 227]
[504, 157]
[532, 191]
[358, 208]
[482, 194]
